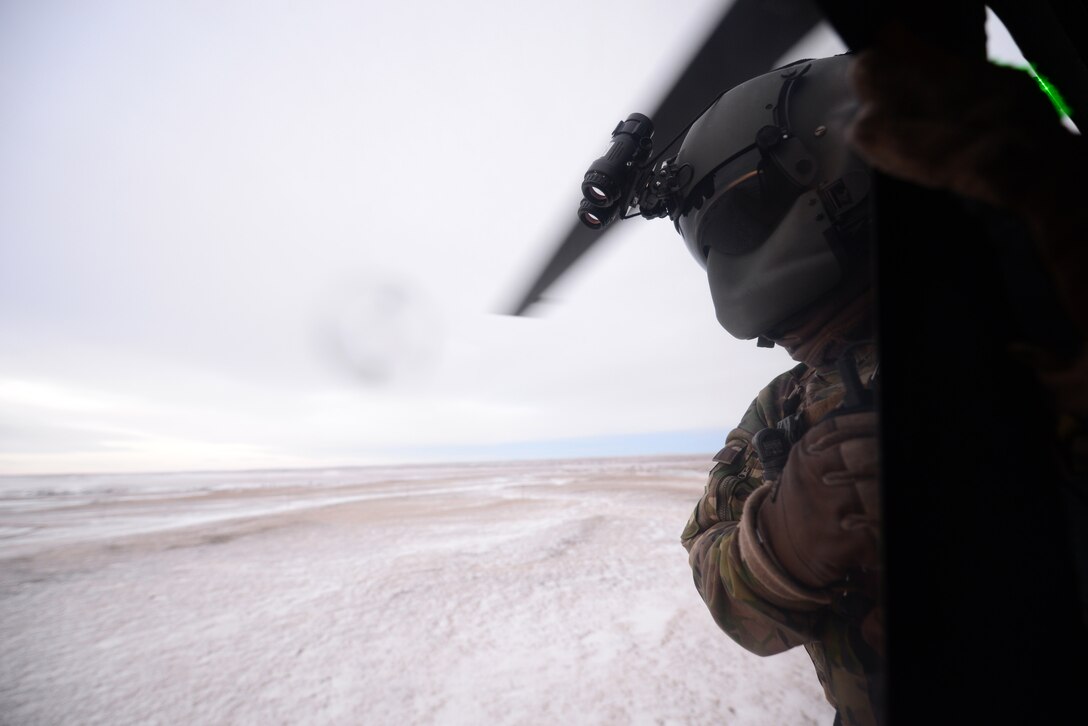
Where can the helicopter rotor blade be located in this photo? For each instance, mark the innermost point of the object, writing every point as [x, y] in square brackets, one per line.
[750, 37]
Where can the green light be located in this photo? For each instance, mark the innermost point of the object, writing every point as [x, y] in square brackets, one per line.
[1046, 86]
[1052, 92]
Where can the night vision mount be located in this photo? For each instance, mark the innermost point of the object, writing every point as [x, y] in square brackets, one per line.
[625, 178]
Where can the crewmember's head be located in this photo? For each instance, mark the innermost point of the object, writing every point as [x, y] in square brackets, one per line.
[776, 208]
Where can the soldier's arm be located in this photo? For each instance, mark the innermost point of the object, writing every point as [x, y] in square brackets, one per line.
[738, 603]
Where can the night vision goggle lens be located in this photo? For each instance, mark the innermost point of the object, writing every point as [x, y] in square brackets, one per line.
[600, 192]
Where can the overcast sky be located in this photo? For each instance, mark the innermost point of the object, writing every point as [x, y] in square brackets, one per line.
[247, 235]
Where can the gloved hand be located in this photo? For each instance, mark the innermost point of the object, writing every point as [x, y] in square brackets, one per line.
[987, 133]
[971, 127]
[822, 518]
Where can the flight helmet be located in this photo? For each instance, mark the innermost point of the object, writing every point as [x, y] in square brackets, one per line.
[772, 202]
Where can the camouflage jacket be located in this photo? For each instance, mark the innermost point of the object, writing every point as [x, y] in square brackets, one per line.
[848, 668]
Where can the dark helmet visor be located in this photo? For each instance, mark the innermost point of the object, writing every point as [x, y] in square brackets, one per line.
[736, 207]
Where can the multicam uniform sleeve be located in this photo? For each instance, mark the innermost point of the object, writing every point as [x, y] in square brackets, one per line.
[737, 602]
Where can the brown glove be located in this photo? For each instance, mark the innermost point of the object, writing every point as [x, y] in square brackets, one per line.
[974, 128]
[982, 131]
[821, 520]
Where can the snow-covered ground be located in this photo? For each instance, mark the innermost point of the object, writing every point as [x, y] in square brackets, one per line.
[532, 593]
